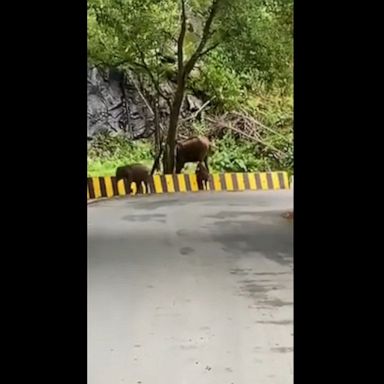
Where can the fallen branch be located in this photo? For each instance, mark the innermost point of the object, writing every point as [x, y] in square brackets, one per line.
[192, 117]
[262, 125]
[253, 138]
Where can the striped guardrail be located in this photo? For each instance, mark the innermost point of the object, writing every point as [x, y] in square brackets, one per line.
[106, 186]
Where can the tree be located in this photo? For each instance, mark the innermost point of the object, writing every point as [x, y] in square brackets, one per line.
[184, 69]
[134, 36]
[169, 38]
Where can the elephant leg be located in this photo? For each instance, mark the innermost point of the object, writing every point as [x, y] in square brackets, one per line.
[129, 184]
[206, 162]
[200, 184]
[139, 188]
[179, 167]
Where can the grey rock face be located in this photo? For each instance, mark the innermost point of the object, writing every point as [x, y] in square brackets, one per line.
[116, 106]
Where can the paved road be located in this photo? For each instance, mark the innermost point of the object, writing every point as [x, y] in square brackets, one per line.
[191, 289]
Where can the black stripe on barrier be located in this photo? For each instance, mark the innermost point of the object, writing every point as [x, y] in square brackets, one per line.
[103, 188]
[152, 185]
[176, 183]
[258, 181]
[269, 180]
[222, 182]
[114, 186]
[188, 185]
[164, 183]
[234, 182]
[281, 180]
[246, 181]
[90, 188]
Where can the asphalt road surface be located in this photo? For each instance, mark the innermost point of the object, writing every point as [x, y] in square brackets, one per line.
[191, 289]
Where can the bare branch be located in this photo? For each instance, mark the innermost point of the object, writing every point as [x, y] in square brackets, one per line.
[255, 138]
[263, 126]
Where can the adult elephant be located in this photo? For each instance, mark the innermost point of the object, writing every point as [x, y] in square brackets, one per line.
[192, 150]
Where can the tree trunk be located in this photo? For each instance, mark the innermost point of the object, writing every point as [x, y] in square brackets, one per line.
[184, 69]
[157, 126]
[169, 153]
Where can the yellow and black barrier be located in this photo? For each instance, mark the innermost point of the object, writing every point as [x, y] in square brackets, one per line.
[106, 186]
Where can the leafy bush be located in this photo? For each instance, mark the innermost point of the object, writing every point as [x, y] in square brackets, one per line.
[106, 153]
[238, 156]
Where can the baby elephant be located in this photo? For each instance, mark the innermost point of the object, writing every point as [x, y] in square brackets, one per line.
[134, 173]
[202, 176]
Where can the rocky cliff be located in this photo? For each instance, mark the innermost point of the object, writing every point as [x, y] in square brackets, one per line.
[116, 105]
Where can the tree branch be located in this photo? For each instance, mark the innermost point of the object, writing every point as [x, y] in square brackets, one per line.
[209, 49]
[155, 83]
[192, 117]
[146, 102]
[180, 41]
[173, 38]
[204, 39]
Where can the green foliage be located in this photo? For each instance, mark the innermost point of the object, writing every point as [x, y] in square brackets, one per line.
[255, 38]
[233, 155]
[108, 152]
[251, 69]
[230, 155]
[218, 81]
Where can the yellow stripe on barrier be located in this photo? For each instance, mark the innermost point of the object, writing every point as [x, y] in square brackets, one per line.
[264, 181]
[228, 181]
[96, 187]
[182, 185]
[108, 186]
[170, 184]
[157, 184]
[121, 188]
[286, 180]
[240, 181]
[252, 181]
[193, 182]
[275, 181]
[216, 182]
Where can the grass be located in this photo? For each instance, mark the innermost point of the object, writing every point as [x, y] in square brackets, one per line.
[108, 167]
[107, 153]
[98, 168]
